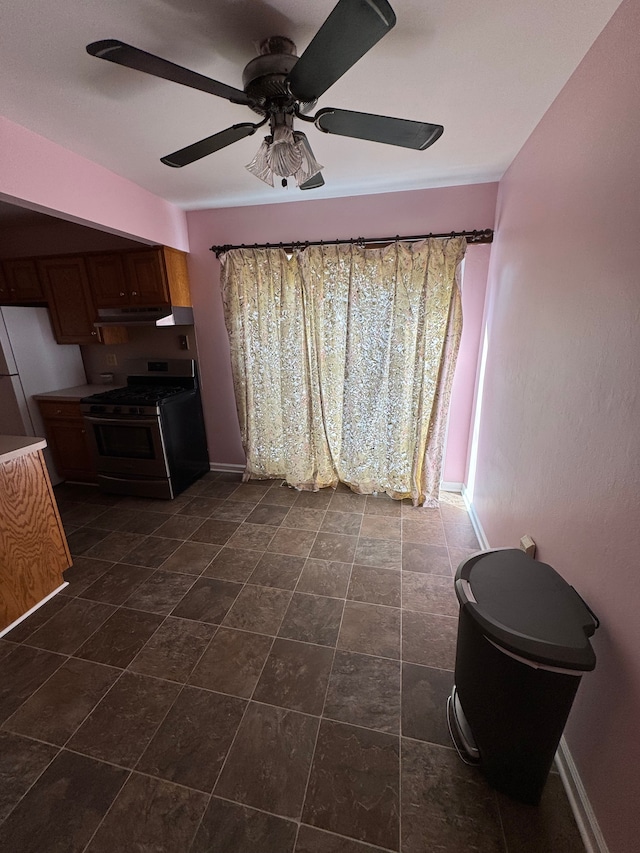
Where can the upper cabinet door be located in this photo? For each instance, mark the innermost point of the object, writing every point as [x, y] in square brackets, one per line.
[147, 277]
[107, 279]
[22, 281]
[69, 298]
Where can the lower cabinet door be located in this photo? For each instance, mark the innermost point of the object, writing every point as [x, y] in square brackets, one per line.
[71, 452]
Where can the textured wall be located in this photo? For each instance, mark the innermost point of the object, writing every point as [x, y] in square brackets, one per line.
[559, 450]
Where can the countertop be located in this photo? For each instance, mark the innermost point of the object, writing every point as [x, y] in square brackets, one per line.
[73, 395]
[13, 446]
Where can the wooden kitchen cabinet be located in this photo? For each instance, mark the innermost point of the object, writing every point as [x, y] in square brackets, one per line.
[33, 547]
[21, 283]
[107, 280]
[67, 438]
[151, 277]
[71, 305]
[147, 277]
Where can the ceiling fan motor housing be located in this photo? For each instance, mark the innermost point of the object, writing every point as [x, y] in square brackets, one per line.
[265, 77]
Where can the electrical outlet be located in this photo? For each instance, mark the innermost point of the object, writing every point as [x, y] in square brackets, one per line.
[112, 359]
[528, 546]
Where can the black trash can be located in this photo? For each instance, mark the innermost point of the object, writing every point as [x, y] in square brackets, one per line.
[522, 648]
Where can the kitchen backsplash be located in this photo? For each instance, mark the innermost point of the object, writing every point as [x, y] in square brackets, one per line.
[144, 342]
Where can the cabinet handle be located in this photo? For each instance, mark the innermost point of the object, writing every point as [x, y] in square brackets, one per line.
[94, 333]
[84, 432]
[121, 293]
[134, 292]
[58, 411]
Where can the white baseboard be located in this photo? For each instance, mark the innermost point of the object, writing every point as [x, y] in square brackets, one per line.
[226, 467]
[446, 486]
[580, 806]
[475, 521]
[33, 609]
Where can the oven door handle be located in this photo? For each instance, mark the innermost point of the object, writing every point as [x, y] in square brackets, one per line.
[124, 421]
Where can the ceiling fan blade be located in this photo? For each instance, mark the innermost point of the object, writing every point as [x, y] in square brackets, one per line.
[131, 57]
[391, 131]
[209, 145]
[313, 183]
[352, 28]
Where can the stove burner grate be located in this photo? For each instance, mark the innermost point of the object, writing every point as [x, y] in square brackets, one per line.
[138, 395]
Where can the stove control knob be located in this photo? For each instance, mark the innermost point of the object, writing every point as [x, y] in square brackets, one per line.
[134, 410]
[116, 410]
[97, 408]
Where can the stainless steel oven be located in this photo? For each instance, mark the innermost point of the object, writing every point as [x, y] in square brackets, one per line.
[134, 445]
[148, 438]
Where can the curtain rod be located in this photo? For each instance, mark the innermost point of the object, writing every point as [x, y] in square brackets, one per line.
[485, 236]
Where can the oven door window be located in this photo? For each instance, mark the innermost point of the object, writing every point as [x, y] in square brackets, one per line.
[125, 442]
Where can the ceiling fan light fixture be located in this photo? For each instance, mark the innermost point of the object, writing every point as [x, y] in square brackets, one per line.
[280, 86]
[309, 165]
[260, 166]
[285, 154]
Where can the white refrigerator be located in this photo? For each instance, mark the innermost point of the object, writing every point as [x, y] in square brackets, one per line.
[31, 362]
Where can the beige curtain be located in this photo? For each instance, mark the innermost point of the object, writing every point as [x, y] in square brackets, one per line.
[343, 360]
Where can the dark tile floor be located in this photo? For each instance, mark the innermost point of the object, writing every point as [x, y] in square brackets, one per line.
[249, 669]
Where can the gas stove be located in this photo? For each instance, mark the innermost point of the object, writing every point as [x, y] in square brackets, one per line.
[132, 399]
[148, 437]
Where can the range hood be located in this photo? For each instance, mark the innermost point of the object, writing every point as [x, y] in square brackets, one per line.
[165, 315]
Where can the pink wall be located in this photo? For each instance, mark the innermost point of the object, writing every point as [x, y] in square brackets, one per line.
[420, 211]
[559, 449]
[43, 176]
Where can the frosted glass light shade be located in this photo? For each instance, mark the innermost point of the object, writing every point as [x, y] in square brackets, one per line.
[260, 166]
[286, 154]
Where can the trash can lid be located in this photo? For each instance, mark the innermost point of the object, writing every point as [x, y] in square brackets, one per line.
[526, 607]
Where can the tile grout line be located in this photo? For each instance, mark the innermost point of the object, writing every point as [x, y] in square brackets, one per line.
[244, 713]
[39, 776]
[231, 745]
[324, 702]
[77, 729]
[243, 586]
[502, 830]
[108, 811]
[184, 684]
[155, 730]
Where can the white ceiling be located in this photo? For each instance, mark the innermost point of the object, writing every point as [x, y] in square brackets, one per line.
[486, 71]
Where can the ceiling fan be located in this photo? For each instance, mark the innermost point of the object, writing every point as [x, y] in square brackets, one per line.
[281, 87]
